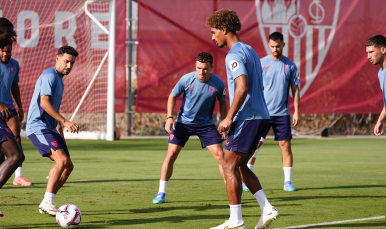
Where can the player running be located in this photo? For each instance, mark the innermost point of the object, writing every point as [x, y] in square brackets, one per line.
[246, 120]
[9, 69]
[44, 124]
[279, 73]
[376, 52]
[8, 144]
[200, 89]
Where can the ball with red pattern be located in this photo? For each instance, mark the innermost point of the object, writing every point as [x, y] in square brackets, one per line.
[68, 216]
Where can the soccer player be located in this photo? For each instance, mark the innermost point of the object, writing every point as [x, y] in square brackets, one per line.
[44, 127]
[9, 68]
[376, 52]
[200, 89]
[246, 119]
[8, 144]
[279, 73]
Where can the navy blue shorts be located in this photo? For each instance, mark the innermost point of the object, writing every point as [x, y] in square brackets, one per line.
[208, 134]
[13, 113]
[46, 140]
[244, 136]
[281, 126]
[5, 131]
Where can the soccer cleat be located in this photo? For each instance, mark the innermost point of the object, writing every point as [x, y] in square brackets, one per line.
[228, 225]
[289, 187]
[245, 188]
[47, 208]
[21, 181]
[1, 214]
[160, 198]
[266, 219]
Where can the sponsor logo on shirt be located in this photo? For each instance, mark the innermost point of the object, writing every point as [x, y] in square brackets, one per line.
[191, 88]
[234, 65]
[286, 68]
[12, 69]
[212, 89]
[266, 67]
[54, 143]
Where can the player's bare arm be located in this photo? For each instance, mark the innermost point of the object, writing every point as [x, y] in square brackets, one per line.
[296, 97]
[5, 111]
[238, 100]
[16, 95]
[170, 108]
[47, 106]
[223, 113]
[379, 125]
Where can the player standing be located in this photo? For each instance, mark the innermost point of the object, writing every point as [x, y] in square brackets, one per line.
[44, 128]
[279, 73]
[9, 71]
[246, 120]
[8, 144]
[200, 88]
[376, 52]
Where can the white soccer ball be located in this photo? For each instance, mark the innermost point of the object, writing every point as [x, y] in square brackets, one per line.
[68, 215]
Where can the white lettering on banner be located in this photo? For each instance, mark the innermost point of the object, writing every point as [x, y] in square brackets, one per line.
[60, 32]
[21, 39]
[96, 31]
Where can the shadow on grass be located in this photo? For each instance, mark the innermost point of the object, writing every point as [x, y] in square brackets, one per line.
[348, 186]
[133, 180]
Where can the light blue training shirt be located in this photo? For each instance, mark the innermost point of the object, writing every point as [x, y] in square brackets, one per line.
[50, 83]
[277, 76]
[199, 98]
[382, 82]
[9, 74]
[243, 60]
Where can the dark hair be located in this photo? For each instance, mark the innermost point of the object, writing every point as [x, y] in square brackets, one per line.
[204, 57]
[276, 36]
[67, 49]
[224, 19]
[376, 41]
[5, 23]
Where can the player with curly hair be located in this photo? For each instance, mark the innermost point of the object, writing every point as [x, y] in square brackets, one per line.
[247, 118]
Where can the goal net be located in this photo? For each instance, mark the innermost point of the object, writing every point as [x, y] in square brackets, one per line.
[44, 26]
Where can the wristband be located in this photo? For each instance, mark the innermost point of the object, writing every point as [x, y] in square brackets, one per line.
[171, 116]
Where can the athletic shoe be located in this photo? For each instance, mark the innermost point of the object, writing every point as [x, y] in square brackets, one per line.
[47, 208]
[289, 187]
[160, 198]
[227, 225]
[245, 188]
[1, 214]
[266, 219]
[21, 181]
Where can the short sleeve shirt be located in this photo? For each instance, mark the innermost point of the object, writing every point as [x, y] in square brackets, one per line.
[49, 83]
[199, 98]
[382, 81]
[243, 60]
[9, 74]
[278, 75]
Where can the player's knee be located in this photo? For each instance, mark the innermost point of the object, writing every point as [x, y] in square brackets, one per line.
[18, 158]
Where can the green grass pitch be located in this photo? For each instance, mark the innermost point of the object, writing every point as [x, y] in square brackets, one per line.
[113, 184]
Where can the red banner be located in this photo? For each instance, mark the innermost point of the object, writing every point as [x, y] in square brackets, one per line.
[325, 39]
[43, 26]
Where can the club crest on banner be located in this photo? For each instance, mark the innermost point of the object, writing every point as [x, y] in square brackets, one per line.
[308, 27]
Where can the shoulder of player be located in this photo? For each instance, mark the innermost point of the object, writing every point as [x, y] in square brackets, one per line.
[265, 59]
[48, 73]
[14, 62]
[216, 78]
